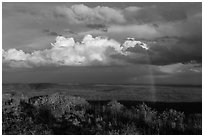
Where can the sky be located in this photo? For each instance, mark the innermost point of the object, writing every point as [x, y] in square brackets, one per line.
[114, 43]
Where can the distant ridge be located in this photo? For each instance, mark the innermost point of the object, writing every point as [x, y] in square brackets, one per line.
[98, 84]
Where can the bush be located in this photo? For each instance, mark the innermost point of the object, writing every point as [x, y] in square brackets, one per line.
[60, 104]
[130, 129]
[146, 114]
[114, 107]
[21, 120]
[172, 121]
[62, 114]
[194, 124]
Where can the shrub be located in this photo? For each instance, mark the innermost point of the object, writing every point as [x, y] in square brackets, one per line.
[172, 121]
[146, 114]
[21, 120]
[194, 124]
[62, 114]
[114, 107]
[60, 104]
[130, 129]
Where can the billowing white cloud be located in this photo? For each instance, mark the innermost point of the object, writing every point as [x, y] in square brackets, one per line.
[67, 52]
[13, 54]
[84, 14]
[131, 42]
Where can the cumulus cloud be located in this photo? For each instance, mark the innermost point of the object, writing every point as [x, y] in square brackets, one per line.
[131, 42]
[103, 51]
[67, 52]
[84, 14]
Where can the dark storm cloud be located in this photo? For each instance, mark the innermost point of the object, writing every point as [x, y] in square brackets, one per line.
[132, 13]
[70, 31]
[166, 50]
[174, 50]
[53, 33]
[161, 12]
[101, 27]
[50, 33]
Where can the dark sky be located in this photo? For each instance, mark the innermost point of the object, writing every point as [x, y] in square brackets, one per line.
[141, 43]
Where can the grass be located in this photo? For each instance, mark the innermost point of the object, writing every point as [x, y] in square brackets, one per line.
[62, 114]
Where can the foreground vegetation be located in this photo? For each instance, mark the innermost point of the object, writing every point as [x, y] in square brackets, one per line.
[62, 114]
